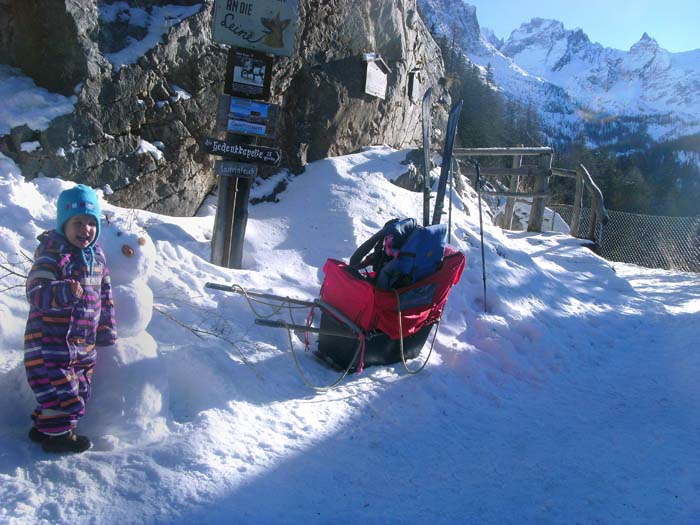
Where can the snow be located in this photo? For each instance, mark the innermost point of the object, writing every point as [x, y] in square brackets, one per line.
[153, 149]
[23, 102]
[688, 157]
[30, 146]
[180, 93]
[157, 20]
[572, 398]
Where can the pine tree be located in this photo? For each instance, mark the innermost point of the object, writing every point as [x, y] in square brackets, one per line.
[489, 75]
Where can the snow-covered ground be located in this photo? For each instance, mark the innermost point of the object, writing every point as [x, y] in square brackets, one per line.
[572, 398]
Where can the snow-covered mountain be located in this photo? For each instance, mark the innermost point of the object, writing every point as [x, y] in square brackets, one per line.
[577, 82]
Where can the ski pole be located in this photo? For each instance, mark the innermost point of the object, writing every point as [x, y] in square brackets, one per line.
[479, 183]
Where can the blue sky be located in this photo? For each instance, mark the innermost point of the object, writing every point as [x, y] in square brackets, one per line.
[613, 23]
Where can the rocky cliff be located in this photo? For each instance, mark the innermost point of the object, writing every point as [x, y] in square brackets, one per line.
[139, 117]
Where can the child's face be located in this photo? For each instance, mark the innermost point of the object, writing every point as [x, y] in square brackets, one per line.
[80, 230]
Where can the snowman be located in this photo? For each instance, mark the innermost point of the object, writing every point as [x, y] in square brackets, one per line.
[130, 390]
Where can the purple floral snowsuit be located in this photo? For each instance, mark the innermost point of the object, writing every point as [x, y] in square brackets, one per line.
[62, 330]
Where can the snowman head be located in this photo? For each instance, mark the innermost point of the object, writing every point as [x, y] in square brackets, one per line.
[130, 252]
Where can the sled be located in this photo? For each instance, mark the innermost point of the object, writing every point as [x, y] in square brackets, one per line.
[380, 316]
[361, 324]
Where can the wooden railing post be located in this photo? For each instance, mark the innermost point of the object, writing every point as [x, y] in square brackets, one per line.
[578, 199]
[595, 209]
[534, 223]
[598, 211]
[510, 203]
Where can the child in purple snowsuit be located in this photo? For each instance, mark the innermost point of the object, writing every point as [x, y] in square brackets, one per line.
[71, 312]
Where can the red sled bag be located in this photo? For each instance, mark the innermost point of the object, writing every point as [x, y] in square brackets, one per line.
[376, 312]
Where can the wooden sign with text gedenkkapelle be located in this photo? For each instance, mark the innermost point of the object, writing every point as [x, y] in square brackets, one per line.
[242, 152]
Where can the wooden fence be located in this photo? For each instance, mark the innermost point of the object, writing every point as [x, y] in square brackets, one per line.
[541, 172]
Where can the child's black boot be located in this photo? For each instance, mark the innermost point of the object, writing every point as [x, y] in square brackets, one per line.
[36, 436]
[68, 442]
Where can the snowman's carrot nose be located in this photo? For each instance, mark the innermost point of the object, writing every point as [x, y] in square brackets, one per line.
[127, 250]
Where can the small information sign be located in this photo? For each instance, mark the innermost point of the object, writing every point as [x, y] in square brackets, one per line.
[229, 168]
[248, 74]
[377, 72]
[246, 117]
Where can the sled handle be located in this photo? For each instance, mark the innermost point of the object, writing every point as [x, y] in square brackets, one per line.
[234, 288]
[279, 323]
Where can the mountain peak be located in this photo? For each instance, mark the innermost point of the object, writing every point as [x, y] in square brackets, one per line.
[538, 25]
[548, 35]
[566, 75]
[491, 37]
[646, 42]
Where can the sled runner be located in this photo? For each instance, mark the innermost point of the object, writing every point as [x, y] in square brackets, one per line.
[378, 316]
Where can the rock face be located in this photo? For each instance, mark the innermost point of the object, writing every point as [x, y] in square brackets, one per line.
[326, 109]
[139, 127]
[47, 39]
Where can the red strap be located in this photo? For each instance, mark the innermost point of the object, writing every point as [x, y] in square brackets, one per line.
[361, 365]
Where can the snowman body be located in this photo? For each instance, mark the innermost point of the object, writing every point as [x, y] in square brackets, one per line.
[130, 390]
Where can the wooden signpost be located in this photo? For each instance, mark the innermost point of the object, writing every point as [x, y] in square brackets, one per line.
[254, 28]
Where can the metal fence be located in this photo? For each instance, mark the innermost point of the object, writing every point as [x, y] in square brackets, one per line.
[671, 243]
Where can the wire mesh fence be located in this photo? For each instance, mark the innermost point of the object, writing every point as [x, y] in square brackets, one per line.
[671, 243]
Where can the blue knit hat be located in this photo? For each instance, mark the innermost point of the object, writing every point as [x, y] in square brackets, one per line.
[79, 200]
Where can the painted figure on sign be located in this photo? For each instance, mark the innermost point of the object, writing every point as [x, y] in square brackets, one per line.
[275, 31]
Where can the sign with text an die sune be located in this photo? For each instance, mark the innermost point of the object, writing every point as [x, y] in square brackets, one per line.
[264, 25]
